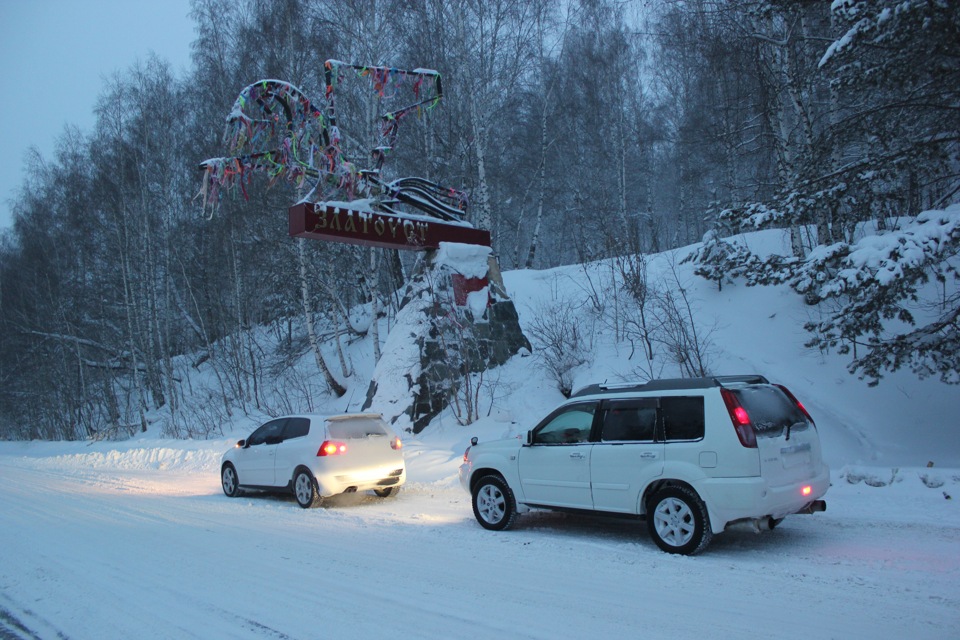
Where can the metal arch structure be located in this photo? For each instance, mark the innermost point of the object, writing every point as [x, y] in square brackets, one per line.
[275, 129]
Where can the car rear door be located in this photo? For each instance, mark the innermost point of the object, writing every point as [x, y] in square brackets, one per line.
[555, 468]
[628, 456]
[787, 439]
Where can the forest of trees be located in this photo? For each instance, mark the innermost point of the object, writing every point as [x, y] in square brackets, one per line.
[581, 130]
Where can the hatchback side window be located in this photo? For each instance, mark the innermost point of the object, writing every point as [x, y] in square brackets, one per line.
[630, 421]
[271, 430]
[682, 417]
[296, 428]
[571, 425]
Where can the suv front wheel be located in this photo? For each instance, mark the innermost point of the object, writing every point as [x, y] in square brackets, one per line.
[493, 503]
[678, 521]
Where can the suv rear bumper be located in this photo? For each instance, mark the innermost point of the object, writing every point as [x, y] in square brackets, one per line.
[731, 499]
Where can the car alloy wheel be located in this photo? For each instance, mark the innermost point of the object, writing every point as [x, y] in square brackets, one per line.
[674, 522]
[305, 490]
[493, 503]
[490, 504]
[228, 479]
[678, 520]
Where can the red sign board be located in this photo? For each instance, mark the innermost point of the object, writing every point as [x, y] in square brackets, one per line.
[368, 228]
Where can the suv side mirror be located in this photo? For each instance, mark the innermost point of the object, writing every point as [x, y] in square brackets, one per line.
[241, 444]
[529, 437]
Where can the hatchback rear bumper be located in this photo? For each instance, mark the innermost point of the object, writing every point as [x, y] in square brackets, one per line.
[333, 483]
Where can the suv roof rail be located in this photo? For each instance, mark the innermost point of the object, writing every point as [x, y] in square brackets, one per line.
[668, 383]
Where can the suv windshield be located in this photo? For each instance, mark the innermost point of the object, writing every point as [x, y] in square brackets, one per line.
[771, 411]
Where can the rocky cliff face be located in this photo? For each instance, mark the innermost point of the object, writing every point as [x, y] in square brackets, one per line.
[455, 323]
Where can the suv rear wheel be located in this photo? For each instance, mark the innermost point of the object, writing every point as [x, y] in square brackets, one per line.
[493, 503]
[678, 521]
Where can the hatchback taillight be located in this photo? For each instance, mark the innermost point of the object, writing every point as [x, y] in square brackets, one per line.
[466, 455]
[740, 419]
[331, 448]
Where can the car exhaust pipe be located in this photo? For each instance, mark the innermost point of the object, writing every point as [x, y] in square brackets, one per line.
[762, 524]
[813, 507]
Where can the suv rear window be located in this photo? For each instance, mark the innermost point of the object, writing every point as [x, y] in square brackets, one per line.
[682, 417]
[770, 410]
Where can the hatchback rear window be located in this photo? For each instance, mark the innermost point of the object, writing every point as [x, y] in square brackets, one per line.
[296, 428]
[352, 428]
[770, 410]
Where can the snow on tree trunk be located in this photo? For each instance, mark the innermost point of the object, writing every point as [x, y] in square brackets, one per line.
[483, 218]
[335, 386]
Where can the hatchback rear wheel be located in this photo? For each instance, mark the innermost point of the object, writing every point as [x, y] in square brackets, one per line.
[305, 489]
[678, 521]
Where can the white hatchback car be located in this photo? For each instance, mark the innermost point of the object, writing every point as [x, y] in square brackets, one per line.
[316, 457]
[691, 456]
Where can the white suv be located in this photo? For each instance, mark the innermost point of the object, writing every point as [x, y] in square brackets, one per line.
[692, 456]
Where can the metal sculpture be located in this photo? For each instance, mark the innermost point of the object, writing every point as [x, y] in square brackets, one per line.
[275, 129]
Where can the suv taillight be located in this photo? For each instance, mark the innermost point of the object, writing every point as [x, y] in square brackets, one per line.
[740, 419]
[799, 404]
[331, 448]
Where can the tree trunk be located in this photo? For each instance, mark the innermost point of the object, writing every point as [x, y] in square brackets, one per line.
[335, 386]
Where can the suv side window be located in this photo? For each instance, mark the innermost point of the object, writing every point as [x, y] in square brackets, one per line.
[682, 417]
[630, 420]
[571, 425]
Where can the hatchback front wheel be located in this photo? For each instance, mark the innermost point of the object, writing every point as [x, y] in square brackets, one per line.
[229, 481]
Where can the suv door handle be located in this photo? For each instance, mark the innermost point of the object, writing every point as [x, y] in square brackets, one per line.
[577, 455]
[648, 455]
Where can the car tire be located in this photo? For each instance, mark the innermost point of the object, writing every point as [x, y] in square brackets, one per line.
[494, 504]
[305, 489]
[229, 481]
[389, 492]
[678, 521]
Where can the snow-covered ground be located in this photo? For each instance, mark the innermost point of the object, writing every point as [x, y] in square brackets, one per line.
[135, 539]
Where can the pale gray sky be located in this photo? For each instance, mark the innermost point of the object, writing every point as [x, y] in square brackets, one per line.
[53, 54]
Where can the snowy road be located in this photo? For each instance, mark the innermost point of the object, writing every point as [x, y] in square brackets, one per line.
[161, 553]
